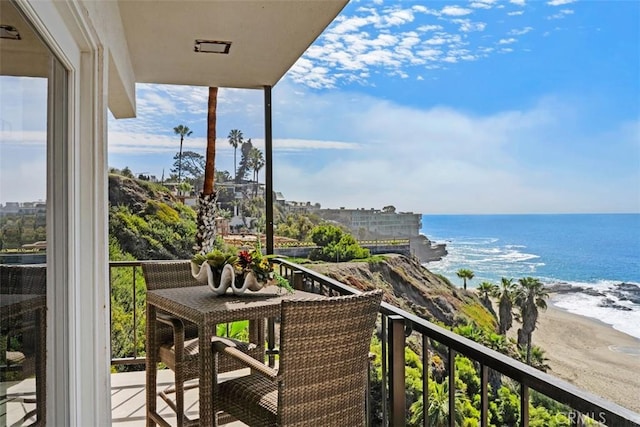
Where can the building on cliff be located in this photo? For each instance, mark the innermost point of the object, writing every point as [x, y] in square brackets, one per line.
[375, 223]
[363, 223]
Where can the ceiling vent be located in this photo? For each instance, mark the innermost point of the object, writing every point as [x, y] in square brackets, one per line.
[9, 32]
[212, 46]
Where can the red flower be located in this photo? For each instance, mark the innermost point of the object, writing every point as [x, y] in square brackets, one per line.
[245, 259]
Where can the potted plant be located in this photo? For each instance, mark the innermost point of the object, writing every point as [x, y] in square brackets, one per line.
[215, 269]
[257, 271]
[248, 270]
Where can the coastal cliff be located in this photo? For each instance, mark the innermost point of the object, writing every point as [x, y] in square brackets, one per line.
[425, 250]
[410, 286]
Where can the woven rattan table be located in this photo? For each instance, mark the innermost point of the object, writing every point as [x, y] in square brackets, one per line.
[200, 306]
[12, 305]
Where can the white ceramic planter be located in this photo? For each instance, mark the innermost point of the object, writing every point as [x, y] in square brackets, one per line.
[218, 283]
[252, 282]
[199, 272]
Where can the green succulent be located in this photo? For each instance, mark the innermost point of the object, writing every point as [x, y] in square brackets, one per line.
[216, 258]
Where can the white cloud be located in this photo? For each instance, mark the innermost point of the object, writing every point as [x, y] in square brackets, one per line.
[430, 28]
[466, 25]
[444, 39]
[559, 2]
[562, 14]
[455, 11]
[391, 40]
[507, 41]
[445, 154]
[521, 31]
[397, 17]
[18, 138]
[482, 4]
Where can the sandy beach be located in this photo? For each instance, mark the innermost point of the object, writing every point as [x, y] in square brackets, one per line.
[591, 355]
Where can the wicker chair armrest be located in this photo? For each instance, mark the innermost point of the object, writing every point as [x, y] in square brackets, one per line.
[174, 322]
[228, 347]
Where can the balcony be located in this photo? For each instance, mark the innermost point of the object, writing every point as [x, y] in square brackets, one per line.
[398, 331]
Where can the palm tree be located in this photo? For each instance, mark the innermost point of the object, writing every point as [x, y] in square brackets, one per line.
[485, 290]
[471, 331]
[206, 232]
[539, 358]
[505, 294]
[465, 274]
[182, 131]
[185, 188]
[438, 406]
[530, 295]
[256, 162]
[235, 139]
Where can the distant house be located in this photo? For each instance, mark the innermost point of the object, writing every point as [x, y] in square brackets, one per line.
[23, 208]
[37, 246]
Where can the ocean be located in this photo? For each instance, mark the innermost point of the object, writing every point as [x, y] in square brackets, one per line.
[595, 256]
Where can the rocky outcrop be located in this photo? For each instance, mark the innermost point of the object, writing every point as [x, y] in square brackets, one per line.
[410, 286]
[427, 251]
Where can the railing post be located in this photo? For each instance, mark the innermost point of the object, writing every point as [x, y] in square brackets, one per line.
[397, 392]
[451, 362]
[425, 380]
[484, 395]
[297, 280]
[524, 405]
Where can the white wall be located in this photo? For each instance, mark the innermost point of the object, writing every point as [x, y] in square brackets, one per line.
[87, 38]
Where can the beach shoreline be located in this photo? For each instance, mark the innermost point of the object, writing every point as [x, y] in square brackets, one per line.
[590, 354]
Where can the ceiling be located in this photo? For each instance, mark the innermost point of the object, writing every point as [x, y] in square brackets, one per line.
[26, 57]
[267, 37]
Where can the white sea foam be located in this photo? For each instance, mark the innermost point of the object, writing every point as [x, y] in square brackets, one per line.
[515, 256]
[512, 254]
[589, 306]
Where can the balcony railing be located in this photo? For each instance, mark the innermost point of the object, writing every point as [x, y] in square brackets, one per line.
[396, 326]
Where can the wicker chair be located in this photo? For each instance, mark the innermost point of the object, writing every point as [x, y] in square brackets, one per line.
[23, 279]
[173, 334]
[17, 363]
[322, 376]
[20, 280]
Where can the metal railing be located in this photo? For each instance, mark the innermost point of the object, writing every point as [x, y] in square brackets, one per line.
[136, 357]
[396, 326]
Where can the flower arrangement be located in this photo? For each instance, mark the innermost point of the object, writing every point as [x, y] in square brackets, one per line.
[245, 262]
[262, 268]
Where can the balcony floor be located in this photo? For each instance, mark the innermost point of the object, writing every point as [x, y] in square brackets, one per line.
[128, 406]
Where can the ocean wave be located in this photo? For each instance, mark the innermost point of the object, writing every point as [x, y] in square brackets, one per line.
[472, 241]
[516, 256]
[626, 321]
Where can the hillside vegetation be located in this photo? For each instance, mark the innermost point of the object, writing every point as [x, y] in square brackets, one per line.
[412, 287]
[148, 222]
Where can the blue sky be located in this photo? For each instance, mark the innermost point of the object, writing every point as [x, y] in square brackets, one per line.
[485, 106]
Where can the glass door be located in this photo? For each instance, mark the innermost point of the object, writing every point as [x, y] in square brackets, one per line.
[32, 90]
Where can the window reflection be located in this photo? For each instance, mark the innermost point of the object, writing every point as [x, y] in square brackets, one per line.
[24, 86]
